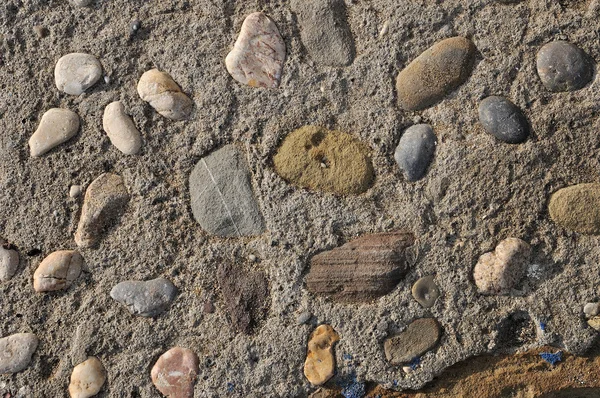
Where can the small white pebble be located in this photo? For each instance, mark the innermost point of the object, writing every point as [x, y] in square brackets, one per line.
[75, 191]
[407, 369]
[384, 29]
[107, 79]
[591, 309]
[252, 257]
[303, 318]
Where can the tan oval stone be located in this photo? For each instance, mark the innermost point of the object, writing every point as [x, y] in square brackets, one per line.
[175, 372]
[577, 208]
[419, 337]
[258, 53]
[87, 378]
[320, 362]
[499, 271]
[435, 73]
[57, 126]
[327, 160]
[57, 271]
[120, 129]
[164, 95]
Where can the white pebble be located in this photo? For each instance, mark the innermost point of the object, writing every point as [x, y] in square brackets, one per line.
[75, 191]
[384, 29]
[164, 95]
[57, 126]
[76, 72]
[120, 129]
[591, 309]
[87, 378]
[57, 271]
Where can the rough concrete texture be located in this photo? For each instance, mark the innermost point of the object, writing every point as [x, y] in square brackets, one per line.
[475, 194]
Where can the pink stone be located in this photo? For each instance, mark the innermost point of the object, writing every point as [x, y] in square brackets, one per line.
[175, 372]
[258, 53]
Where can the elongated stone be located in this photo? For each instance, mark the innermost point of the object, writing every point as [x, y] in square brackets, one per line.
[145, 298]
[319, 365]
[87, 378]
[16, 351]
[104, 203]
[221, 195]
[577, 208]
[57, 271]
[362, 270]
[258, 53]
[57, 126]
[324, 31]
[435, 73]
[499, 271]
[327, 160]
[175, 372]
[164, 95]
[415, 151]
[9, 261]
[120, 129]
[74, 73]
[419, 337]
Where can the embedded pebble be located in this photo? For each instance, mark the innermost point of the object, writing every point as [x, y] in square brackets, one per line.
[105, 201]
[591, 309]
[577, 208]
[348, 168]
[435, 73]
[120, 129]
[41, 31]
[58, 271]
[425, 291]
[145, 298]
[208, 307]
[175, 372]
[415, 151]
[75, 191]
[57, 126]
[320, 361]
[562, 66]
[361, 270]
[76, 72]
[499, 271]
[81, 3]
[164, 95]
[16, 351]
[222, 199]
[419, 337]
[594, 322]
[9, 261]
[503, 119]
[324, 31]
[258, 53]
[87, 378]
[303, 318]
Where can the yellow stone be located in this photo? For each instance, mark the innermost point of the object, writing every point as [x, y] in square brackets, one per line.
[594, 322]
[320, 362]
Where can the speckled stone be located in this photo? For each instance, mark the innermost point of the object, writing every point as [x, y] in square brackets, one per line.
[58, 271]
[258, 53]
[415, 151]
[120, 129]
[419, 337]
[562, 66]
[16, 351]
[425, 291]
[145, 298]
[164, 95]
[175, 372]
[591, 309]
[499, 271]
[9, 261]
[57, 126]
[320, 361]
[87, 378]
[577, 208]
[503, 119]
[435, 73]
[76, 72]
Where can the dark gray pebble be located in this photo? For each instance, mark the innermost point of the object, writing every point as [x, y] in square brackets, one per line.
[503, 119]
[415, 151]
[562, 66]
[145, 298]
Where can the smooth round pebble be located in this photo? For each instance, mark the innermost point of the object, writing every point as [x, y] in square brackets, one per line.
[175, 372]
[503, 119]
[87, 378]
[9, 261]
[164, 95]
[591, 309]
[425, 291]
[120, 129]
[76, 72]
[562, 66]
[75, 191]
[57, 271]
[415, 151]
[577, 208]
[16, 351]
[56, 127]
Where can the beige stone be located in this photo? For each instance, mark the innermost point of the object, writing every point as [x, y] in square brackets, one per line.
[577, 208]
[258, 53]
[499, 271]
[57, 126]
[87, 378]
[320, 361]
[120, 129]
[164, 95]
[57, 271]
[9, 261]
[76, 72]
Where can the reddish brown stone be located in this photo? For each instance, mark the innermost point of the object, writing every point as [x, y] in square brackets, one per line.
[175, 372]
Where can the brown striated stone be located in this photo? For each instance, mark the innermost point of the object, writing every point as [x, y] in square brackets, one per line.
[320, 362]
[363, 269]
[175, 372]
[419, 337]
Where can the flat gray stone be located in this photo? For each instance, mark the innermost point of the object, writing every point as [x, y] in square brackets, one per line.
[145, 298]
[324, 31]
[503, 119]
[221, 195]
[563, 66]
[415, 151]
[16, 351]
[425, 291]
[419, 337]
